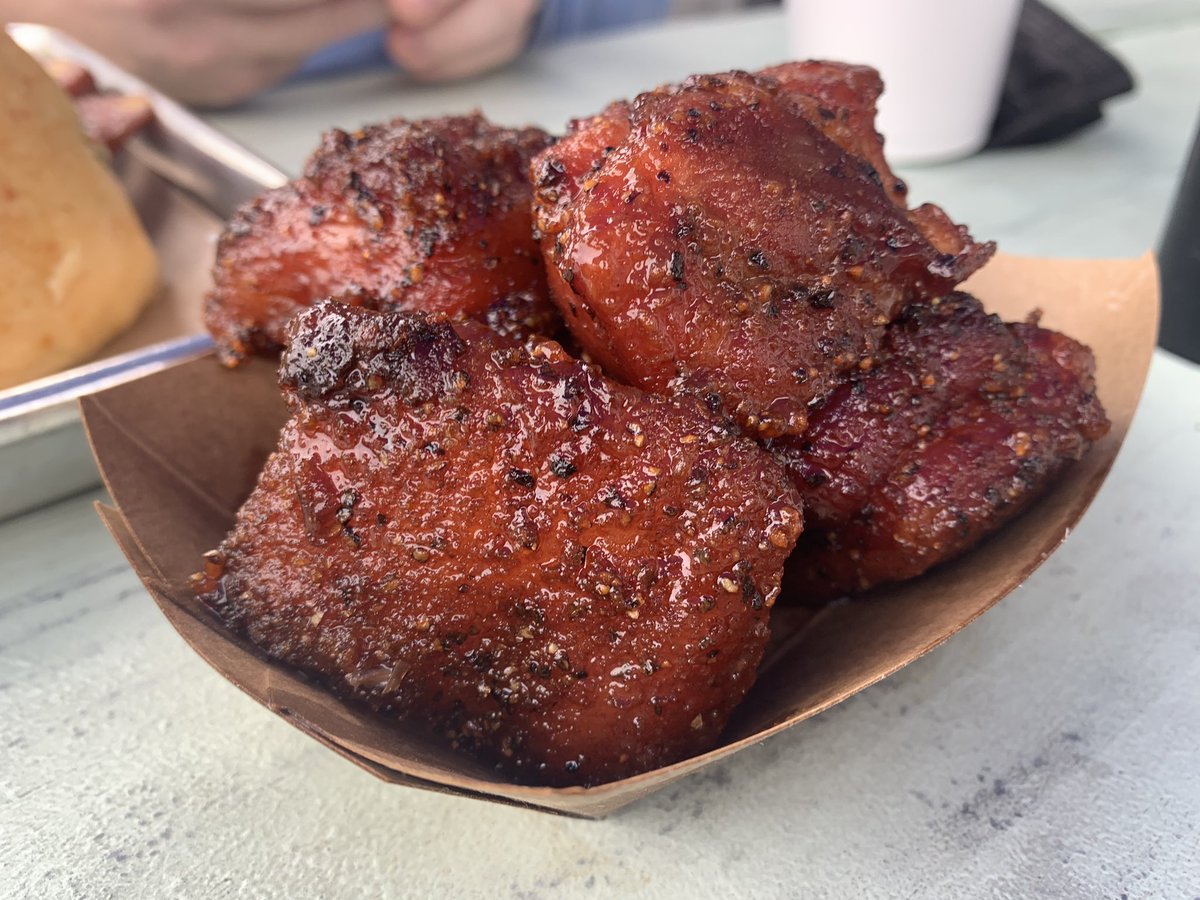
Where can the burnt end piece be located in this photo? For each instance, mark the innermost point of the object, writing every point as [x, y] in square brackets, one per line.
[430, 215]
[739, 236]
[565, 576]
[964, 421]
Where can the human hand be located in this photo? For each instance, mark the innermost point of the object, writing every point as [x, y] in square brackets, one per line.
[209, 52]
[441, 40]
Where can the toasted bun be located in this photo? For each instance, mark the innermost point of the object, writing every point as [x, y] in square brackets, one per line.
[76, 267]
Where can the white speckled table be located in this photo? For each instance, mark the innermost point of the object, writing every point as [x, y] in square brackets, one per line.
[1051, 750]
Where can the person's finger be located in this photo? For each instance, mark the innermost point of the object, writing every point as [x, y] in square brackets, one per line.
[298, 33]
[476, 36]
[420, 14]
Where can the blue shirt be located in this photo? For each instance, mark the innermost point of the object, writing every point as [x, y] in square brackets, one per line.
[556, 20]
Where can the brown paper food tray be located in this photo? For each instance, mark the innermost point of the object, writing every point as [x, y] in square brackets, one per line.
[181, 449]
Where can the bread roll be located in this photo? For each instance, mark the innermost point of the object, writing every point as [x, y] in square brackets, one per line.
[76, 267]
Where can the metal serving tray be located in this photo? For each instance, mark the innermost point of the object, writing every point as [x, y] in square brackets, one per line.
[185, 180]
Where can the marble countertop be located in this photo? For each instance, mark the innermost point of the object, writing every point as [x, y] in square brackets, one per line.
[1051, 749]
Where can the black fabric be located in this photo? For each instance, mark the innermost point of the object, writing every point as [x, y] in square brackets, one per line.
[1057, 79]
[1179, 265]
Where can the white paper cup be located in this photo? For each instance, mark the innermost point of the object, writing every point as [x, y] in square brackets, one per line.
[942, 62]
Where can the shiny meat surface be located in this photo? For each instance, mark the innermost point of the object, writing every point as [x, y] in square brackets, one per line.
[430, 215]
[709, 237]
[840, 99]
[563, 575]
[964, 421]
